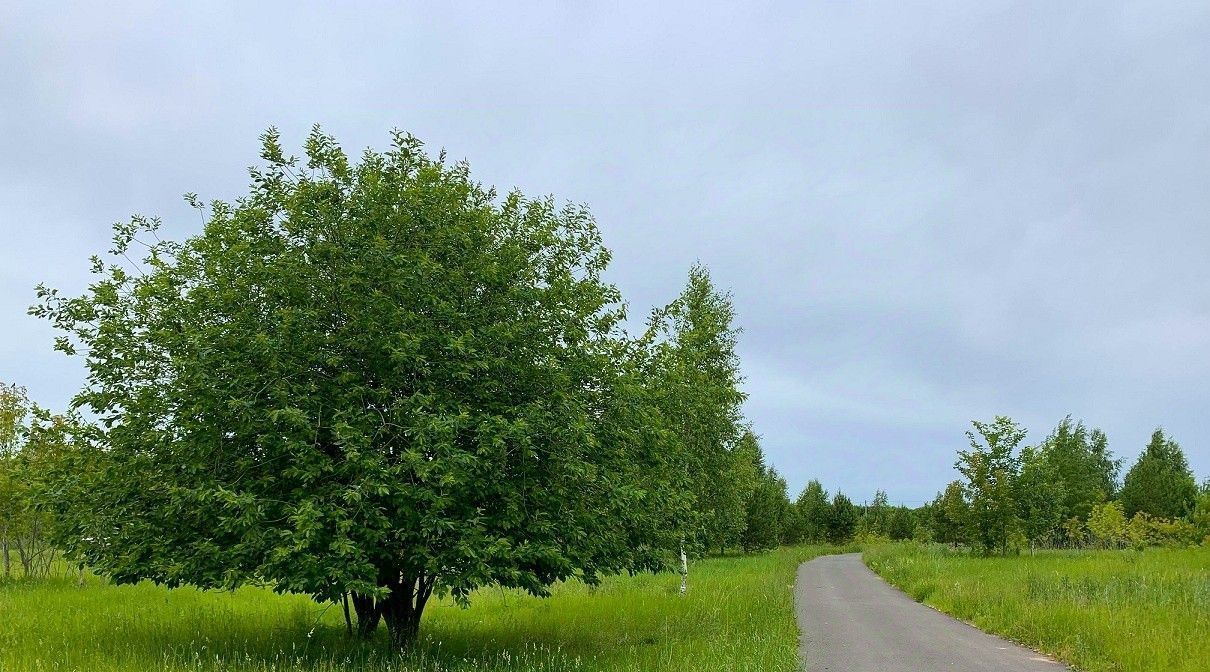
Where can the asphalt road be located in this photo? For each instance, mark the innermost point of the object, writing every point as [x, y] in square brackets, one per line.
[852, 620]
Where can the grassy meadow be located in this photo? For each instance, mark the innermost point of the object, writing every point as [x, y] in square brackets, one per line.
[738, 615]
[1098, 610]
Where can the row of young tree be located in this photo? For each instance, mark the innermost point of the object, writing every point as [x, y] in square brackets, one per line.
[375, 381]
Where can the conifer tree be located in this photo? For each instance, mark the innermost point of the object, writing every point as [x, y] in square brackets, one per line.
[813, 509]
[842, 519]
[1160, 482]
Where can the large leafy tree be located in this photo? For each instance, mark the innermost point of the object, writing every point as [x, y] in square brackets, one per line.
[1160, 482]
[374, 378]
[990, 467]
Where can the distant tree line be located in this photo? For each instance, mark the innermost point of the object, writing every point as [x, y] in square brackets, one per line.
[1063, 492]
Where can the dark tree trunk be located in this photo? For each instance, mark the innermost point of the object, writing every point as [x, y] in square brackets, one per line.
[368, 614]
[403, 608]
[25, 556]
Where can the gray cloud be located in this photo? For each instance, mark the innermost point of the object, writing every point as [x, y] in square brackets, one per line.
[927, 214]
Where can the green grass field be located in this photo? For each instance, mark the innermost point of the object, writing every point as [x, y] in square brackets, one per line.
[738, 615]
[1098, 610]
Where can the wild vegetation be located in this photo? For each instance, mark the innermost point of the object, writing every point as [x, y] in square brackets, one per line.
[1099, 610]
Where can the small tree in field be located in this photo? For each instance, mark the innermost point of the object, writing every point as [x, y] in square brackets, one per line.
[1141, 531]
[31, 442]
[373, 378]
[1199, 518]
[990, 468]
[1107, 524]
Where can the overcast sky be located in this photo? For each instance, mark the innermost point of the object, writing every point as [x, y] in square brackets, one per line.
[926, 214]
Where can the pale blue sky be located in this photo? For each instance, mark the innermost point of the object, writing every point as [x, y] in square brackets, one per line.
[927, 213]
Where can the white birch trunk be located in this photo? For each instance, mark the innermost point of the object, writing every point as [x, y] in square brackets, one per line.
[684, 569]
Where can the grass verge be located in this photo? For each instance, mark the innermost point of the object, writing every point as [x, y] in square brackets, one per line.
[738, 615]
[1098, 610]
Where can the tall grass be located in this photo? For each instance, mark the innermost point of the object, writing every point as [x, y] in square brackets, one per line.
[1098, 610]
[738, 615]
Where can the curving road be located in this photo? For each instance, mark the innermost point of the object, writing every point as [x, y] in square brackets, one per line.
[853, 621]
